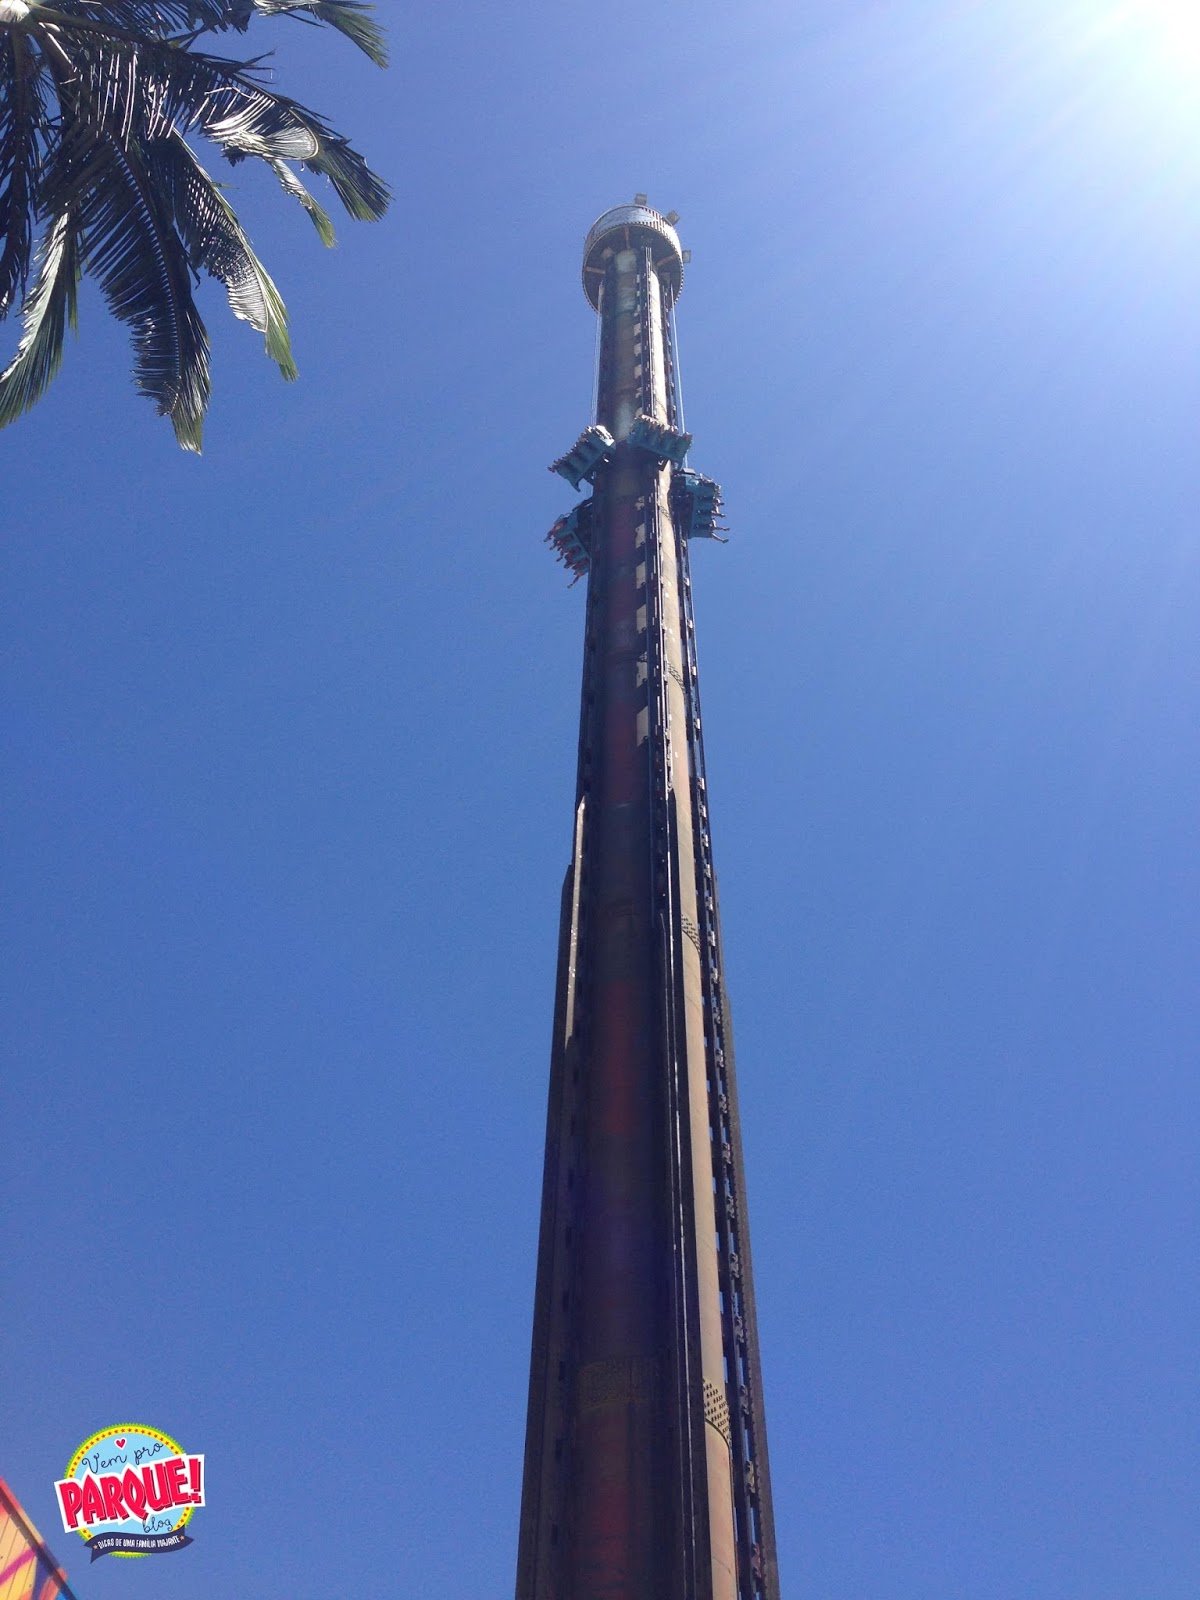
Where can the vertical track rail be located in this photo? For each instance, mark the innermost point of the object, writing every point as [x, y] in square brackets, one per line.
[758, 1566]
[687, 1386]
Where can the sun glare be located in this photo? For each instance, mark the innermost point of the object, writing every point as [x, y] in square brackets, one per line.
[1169, 26]
[1179, 20]
[1153, 47]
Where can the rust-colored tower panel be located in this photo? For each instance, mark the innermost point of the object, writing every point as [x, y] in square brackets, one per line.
[646, 1472]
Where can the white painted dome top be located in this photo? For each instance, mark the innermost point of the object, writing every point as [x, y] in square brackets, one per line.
[621, 227]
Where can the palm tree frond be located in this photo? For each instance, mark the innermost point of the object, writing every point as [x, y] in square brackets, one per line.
[98, 101]
[152, 88]
[256, 125]
[162, 18]
[292, 185]
[48, 308]
[349, 17]
[139, 261]
[23, 132]
[166, 19]
[363, 193]
[216, 241]
[179, 89]
[247, 119]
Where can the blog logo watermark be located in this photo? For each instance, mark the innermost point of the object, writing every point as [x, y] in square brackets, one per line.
[131, 1491]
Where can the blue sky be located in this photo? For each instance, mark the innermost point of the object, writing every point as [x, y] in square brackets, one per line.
[289, 764]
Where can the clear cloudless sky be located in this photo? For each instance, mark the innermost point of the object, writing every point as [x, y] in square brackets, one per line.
[289, 761]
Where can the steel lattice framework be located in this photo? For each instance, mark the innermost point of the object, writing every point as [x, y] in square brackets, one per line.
[646, 1474]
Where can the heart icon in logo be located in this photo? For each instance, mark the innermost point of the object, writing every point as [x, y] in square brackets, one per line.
[120, 1443]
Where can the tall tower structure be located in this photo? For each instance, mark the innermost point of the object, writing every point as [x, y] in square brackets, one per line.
[646, 1472]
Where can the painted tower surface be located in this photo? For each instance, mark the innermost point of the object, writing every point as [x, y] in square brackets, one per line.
[646, 1456]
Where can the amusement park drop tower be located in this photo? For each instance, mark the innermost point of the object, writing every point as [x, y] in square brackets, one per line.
[646, 1472]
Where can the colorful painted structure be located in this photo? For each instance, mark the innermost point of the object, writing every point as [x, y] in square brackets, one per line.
[27, 1569]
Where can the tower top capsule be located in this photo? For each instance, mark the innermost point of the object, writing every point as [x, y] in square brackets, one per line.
[618, 229]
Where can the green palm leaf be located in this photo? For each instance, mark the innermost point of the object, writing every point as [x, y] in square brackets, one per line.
[23, 130]
[135, 253]
[347, 16]
[162, 87]
[292, 185]
[48, 308]
[98, 99]
[162, 17]
[216, 241]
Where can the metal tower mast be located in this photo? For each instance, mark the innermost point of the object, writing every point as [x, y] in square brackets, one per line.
[646, 1456]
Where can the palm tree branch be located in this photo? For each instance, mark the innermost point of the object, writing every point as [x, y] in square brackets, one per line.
[349, 17]
[23, 132]
[161, 18]
[180, 89]
[187, 20]
[97, 102]
[291, 184]
[136, 255]
[215, 240]
[49, 307]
